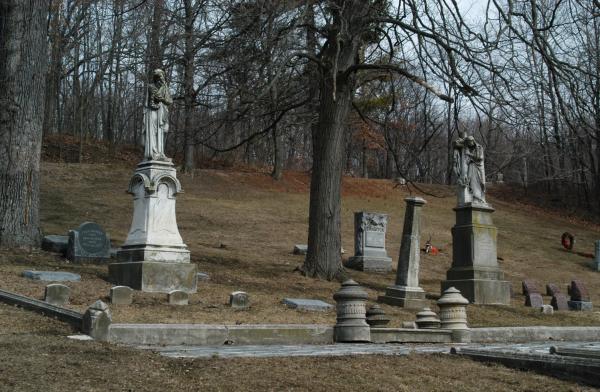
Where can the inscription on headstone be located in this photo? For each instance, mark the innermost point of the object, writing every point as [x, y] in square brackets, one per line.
[375, 239]
[89, 243]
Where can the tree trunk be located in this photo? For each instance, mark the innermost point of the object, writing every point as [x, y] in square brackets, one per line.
[23, 29]
[188, 85]
[323, 258]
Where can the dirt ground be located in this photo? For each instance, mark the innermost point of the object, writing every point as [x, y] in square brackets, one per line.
[241, 228]
[38, 356]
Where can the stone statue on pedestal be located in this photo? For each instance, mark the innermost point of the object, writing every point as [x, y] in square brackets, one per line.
[156, 117]
[469, 170]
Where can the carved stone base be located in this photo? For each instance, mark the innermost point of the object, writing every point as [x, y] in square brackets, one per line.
[481, 291]
[404, 297]
[169, 254]
[369, 264]
[154, 277]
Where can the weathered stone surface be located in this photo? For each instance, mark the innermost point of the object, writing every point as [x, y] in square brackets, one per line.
[578, 291]
[475, 270]
[407, 292]
[97, 320]
[409, 325]
[369, 243]
[57, 294]
[410, 335]
[552, 289]
[559, 302]
[89, 243]
[300, 249]
[547, 309]
[52, 276]
[453, 309]
[534, 300]
[580, 305]
[596, 262]
[155, 277]
[534, 333]
[351, 321]
[121, 295]
[55, 243]
[426, 319]
[530, 287]
[376, 316]
[307, 304]
[178, 297]
[239, 300]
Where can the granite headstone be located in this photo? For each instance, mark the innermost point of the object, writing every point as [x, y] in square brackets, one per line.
[89, 243]
[57, 294]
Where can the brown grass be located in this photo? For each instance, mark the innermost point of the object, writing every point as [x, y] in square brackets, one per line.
[258, 220]
[38, 356]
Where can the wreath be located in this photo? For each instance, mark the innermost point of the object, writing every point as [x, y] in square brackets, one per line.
[567, 240]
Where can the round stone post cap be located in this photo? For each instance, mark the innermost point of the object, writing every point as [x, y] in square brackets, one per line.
[452, 296]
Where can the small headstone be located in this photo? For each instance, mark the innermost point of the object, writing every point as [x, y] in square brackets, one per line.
[178, 297]
[52, 276]
[121, 295]
[307, 304]
[529, 287]
[55, 243]
[559, 302]
[300, 249]
[578, 291]
[239, 300]
[57, 294]
[534, 300]
[552, 289]
[89, 243]
[369, 243]
[202, 276]
[547, 309]
[580, 305]
[596, 262]
[97, 320]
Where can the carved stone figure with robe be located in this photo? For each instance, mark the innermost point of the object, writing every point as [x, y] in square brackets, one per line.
[156, 117]
[469, 170]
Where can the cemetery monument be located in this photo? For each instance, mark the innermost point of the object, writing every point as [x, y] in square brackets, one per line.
[475, 270]
[369, 243]
[154, 257]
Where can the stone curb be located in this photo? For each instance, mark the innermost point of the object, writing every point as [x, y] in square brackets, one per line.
[533, 334]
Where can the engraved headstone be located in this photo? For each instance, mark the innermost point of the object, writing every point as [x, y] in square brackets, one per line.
[578, 291]
[57, 294]
[534, 300]
[239, 300]
[369, 243]
[530, 287]
[178, 297]
[552, 289]
[121, 295]
[89, 243]
[559, 302]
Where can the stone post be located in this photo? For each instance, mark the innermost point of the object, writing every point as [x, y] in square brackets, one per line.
[97, 320]
[369, 243]
[351, 323]
[406, 292]
[453, 314]
[475, 270]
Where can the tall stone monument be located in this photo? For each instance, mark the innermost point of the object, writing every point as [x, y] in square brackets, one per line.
[475, 270]
[154, 257]
[406, 292]
[369, 243]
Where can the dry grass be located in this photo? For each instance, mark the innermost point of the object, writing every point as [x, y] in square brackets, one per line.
[258, 221]
[42, 358]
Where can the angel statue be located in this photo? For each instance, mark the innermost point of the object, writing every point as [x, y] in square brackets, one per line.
[156, 117]
[469, 170]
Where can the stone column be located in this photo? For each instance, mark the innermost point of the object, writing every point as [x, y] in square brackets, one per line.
[406, 292]
[475, 270]
[369, 243]
[154, 257]
[351, 322]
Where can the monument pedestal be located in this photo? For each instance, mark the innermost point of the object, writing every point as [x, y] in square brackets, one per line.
[406, 292]
[154, 257]
[369, 263]
[405, 297]
[475, 270]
